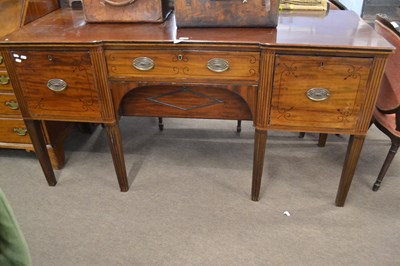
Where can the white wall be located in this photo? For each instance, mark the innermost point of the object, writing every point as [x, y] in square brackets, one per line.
[355, 5]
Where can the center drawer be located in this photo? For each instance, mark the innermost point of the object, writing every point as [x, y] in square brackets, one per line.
[185, 65]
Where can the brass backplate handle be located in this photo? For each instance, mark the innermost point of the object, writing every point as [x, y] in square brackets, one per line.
[1, 59]
[20, 131]
[218, 65]
[13, 105]
[4, 80]
[57, 85]
[143, 63]
[119, 3]
[318, 94]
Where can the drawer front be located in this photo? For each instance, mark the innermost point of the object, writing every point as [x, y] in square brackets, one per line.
[5, 83]
[58, 84]
[2, 65]
[318, 92]
[184, 65]
[14, 131]
[9, 104]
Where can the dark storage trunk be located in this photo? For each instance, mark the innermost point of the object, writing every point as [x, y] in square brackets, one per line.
[126, 10]
[226, 13]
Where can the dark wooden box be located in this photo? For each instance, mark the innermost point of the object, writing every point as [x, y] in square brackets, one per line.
[126, 10]
[226, 13]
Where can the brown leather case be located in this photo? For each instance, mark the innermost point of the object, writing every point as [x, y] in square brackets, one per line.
[125, 10]
[226, 13]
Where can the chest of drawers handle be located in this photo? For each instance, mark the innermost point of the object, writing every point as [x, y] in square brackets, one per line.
[20, 131]
[1, 59]
[218, 65]
[143, 63]
[4, 80]
[13, 105]
[318, 94]
[57, 85]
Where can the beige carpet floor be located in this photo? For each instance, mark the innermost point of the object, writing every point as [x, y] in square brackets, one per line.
[189, 200]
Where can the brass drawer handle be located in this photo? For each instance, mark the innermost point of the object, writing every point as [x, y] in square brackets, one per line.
[20, 131]
[1, 59]
[13, 105]
[4, 80]
[143, 63]
[218, 65]
[121, 3]
[57, 85]
[318, 94]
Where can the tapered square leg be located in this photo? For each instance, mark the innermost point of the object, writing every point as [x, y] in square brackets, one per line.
[260, 141]
[115, 143]
[39, 144]
[353, 153]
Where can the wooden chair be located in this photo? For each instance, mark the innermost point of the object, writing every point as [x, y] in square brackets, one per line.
[386, 116]
[336, 5]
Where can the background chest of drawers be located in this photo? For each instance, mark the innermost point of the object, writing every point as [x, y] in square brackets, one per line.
[12, 127]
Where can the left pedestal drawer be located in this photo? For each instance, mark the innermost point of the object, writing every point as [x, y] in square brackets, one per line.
[58, 84]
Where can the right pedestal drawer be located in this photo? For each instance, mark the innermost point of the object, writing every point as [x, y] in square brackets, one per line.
[318, 91]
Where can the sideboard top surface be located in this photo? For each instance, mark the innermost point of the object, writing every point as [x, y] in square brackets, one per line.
[333, 29]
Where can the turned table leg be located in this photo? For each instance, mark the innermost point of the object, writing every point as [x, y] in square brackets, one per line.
[115, 143]
[160, 124]
[353, 153]
[260, 140]
[322, 139]
[239, 126]
[35, 133]
[388, 160]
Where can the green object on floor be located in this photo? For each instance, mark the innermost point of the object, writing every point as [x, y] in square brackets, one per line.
[14, 250]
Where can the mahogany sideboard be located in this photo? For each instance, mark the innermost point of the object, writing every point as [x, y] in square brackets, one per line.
[315, 72]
